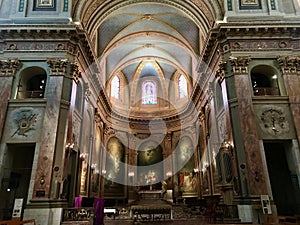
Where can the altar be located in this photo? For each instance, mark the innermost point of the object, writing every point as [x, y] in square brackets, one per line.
[150, 194]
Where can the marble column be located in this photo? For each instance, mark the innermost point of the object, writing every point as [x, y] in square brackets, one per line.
[52, 144]
[291, 75]
[132, 159]
[8, 69]
[246, 132]
[168, 155]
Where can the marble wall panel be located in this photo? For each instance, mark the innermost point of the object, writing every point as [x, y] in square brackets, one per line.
[23, 124]
[256, 177]
[5, 92]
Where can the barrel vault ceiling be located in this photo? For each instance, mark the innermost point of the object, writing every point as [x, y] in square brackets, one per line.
[126, 33]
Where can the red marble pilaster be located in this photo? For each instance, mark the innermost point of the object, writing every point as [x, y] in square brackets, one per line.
[8, 68]
[248, 128]
[291, 76]
[51, 152]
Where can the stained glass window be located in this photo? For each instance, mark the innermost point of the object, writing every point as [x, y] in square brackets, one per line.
[182, 87]
[115, 87]
[149, 96]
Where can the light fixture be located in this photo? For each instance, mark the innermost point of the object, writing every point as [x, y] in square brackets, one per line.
[169, 174]
[131, 174]
[83, 156]
[93, 166]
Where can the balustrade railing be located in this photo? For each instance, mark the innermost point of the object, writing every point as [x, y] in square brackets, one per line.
[263, 91]
[78, 214]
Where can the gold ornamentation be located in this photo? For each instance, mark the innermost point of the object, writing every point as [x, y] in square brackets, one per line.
[289, 64]
[240, 64]
[58, 66]
[220, 73]
[25, 124]
[8, 67]
[274, 121]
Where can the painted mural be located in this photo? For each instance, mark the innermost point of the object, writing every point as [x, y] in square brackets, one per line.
[150, 166]
[187, 178]
[115, 173]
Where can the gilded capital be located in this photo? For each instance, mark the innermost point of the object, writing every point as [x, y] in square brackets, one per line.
[289, 64]
[240, 64]
[220, 73]
[76, 72]
[58, 66]
[8, 67]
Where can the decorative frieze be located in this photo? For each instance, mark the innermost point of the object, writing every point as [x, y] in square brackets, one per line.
[58, 67]
[8, 67]
[240, 64]
[289, 64]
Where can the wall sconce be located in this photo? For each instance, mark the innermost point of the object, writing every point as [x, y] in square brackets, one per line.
[131, 174]
[196, 170]
[103, 172]
[169, 174]
[93, 166]
[42, 179]
[70, 146]
[83, 156]
[227, 146]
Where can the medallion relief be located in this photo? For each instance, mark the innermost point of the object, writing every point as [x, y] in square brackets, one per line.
[273, 120]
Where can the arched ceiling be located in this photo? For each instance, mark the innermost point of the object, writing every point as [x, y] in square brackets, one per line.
[127, 32]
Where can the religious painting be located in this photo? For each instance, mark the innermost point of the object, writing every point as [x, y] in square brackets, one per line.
[83, 175]
[149, 93]
[184, 151]
[114, 167]
[187, 178]
[150, 163]
[250, 4]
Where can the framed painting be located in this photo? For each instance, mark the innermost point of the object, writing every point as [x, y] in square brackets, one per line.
[45, 3]
[250, 4]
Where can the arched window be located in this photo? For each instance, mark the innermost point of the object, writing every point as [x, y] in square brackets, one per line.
[79, 97]
[32, 83]
[36, 86]
[115, 87]
[149, 96]
[182, 87]
[219, 97]
[264, 81]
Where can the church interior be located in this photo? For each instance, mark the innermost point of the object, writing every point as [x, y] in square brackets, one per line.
[149, 107]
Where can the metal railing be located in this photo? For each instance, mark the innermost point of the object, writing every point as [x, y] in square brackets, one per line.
[263, 91]
[30, 94]
[78, 214]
